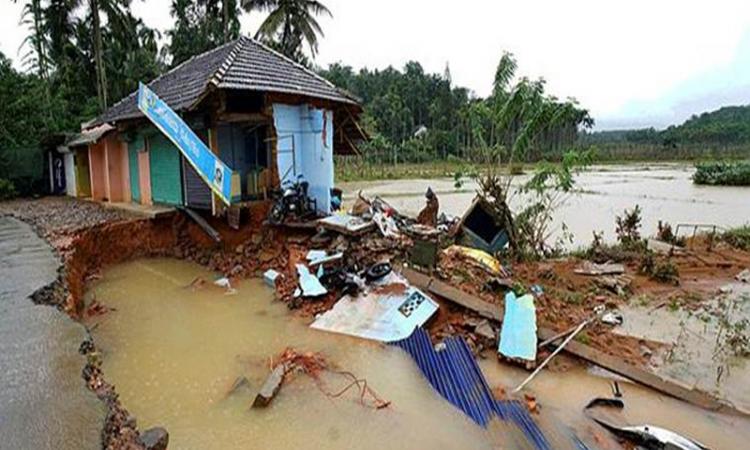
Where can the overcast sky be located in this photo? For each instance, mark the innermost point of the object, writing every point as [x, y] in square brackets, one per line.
[632, 64]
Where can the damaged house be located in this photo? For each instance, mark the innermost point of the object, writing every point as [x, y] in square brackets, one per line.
[267, 118]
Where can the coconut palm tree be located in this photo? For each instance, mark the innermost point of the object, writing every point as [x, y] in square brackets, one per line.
[117, 12]
[289, 24]
[38, 57]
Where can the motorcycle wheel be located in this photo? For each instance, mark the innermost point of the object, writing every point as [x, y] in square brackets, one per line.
[378, 271]
[277, 213]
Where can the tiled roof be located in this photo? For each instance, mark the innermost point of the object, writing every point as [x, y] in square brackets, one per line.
[242, 64]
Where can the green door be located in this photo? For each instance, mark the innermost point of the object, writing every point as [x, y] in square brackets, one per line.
[135, 187]
[166, 182]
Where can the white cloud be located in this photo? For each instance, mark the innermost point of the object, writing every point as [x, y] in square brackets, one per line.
[609, 55]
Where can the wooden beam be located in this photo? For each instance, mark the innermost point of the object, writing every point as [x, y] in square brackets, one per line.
[650, 379]
[208, 229]
[583, 351]
[244, 117]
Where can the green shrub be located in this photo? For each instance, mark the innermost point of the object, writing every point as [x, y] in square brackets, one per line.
[738, 237]
[661, 271]
[7, 189]
[666, 272]
[628, 227]
[722, 173]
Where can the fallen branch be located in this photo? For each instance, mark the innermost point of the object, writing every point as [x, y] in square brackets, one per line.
[312, 364]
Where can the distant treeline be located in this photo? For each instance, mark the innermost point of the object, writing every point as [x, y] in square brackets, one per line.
[414, 116]
[724, 133]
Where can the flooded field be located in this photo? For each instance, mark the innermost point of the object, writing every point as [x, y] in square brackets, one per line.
[44, 403]
[663, 191]
[697, 356]
[173, 354]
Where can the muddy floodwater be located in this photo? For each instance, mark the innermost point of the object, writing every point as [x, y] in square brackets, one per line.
[44, 403]
[697, 354]
[663, 191]
[173, 353]
[566, 393]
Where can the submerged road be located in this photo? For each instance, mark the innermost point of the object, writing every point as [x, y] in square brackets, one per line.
[44, 403]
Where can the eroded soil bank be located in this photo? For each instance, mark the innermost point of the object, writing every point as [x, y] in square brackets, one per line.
[175, 347]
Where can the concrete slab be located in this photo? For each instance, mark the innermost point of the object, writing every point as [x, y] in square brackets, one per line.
[148, 211]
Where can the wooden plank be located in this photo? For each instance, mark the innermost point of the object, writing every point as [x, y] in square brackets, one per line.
[583, 351]
[210, 231]
[270, 387]
[673, 389]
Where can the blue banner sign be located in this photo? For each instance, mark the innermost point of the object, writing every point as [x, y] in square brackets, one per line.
[210, 168]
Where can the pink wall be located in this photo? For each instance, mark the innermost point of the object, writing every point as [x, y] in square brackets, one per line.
[114, 168]
[144, 177]
[97, 171]
[109, 170]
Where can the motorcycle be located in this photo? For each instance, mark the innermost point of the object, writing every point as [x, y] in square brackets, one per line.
[292, 200]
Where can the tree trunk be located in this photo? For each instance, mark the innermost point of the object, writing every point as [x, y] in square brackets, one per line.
[225, 8]
[38, 42]
[101, 76]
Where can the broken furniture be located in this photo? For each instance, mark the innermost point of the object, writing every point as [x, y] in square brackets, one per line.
[481, 228]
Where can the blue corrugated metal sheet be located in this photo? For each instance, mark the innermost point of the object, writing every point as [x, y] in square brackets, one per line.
[455, 374]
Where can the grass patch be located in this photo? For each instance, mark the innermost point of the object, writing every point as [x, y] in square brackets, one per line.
[738, 238]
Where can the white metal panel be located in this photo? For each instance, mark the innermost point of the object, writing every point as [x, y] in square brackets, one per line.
[388, 314]
[70, 174]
